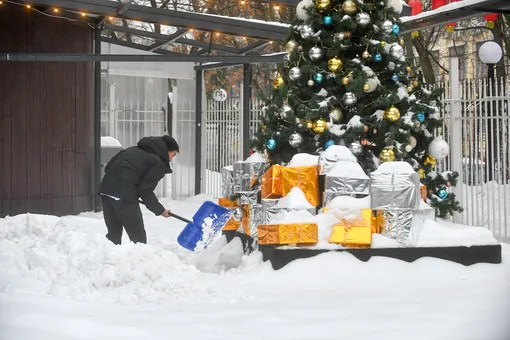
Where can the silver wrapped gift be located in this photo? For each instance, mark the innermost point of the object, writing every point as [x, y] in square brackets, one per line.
[246, 174]
[227, 181]
[346, 179]
[250, 197]
[256, 218]
[270, 209]
[404, 226]
[394, 190]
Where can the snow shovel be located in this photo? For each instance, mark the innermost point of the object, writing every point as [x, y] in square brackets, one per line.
[173, 215]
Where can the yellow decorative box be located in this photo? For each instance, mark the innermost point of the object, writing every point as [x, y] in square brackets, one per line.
[354, 232]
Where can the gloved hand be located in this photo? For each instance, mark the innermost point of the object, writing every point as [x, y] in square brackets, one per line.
[166, 213]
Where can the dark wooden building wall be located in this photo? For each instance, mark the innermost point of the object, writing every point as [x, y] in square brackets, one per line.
[46, 117]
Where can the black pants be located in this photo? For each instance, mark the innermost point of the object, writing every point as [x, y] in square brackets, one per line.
[119, 214]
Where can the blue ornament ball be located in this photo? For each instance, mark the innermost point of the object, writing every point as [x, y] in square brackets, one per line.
[420, 116]
[318, 78]
[327, 20]
[394, 78]
[395, 29]
[378, 57]
[442, 194]
[271, 144]
[329, 143]
[331, 76]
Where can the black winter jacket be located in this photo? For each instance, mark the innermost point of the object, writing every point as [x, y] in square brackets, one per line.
[135, 172]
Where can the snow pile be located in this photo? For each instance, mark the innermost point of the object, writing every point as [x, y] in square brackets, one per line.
[348, 202]
[256, 157]
[287, 217]
[337, 153]
[303, 159]
[72, 257]
[295, 199]
[110, 142]
[348, 170]
[434, 234]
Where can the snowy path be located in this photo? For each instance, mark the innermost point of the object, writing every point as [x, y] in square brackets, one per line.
[59, 279]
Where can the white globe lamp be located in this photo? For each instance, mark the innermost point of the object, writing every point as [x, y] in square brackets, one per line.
[490, 53]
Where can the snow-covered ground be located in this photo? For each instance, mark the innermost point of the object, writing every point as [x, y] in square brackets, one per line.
[61, 279]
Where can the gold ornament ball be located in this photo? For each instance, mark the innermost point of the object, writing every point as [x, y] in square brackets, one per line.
[345, 80]
[402, 42]
[415, 83]
[349, 7]
[387, 155]
[335, 64]
[409, 69]
[309, 124]
[319, 126]
[421, 172]
[323, 4]
[383, 43]
[410, 89]
[392, 114]
[430, 160]
[278, 81]
[366, 87]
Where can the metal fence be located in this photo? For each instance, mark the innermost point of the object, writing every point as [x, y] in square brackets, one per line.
[128, 122]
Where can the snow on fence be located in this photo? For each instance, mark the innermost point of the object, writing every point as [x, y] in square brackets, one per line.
[480, 127]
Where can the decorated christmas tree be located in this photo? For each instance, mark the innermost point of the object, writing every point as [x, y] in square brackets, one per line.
[345, 81]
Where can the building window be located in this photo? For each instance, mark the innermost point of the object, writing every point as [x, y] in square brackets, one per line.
[459, 52]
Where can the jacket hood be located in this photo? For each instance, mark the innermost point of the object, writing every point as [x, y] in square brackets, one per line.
[157, 146]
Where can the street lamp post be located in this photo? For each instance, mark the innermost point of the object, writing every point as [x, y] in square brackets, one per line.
[490, 53]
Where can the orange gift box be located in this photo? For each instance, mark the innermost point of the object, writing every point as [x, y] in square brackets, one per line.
[423, 193]
[292, 233]
[354, 233]
[272, 182]
[304, 177]
[232, 224]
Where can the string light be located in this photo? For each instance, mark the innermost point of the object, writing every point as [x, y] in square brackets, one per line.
[1, 2]
[243, 2]
[28, 6]
[244, 38]
[277, 8]
[217, 34]
[110, 18]
[83, 14]
[55, 10]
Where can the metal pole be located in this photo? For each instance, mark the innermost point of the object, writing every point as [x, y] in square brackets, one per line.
[456, 130]
[247, 76]
[198, 131]
[97, 120]
[490, 124]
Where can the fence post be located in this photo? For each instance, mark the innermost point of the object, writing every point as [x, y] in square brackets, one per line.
[113, 114]
[456, 130]
[245, 111]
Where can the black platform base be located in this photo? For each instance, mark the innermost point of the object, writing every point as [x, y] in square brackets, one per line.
[464, 255]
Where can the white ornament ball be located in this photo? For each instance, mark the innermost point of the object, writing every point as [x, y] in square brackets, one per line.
[310, 82]
[220, 95]
[397, 51]
[396, 5]
[301, 9]
[387, 26]
[408, 148]
[439, 148]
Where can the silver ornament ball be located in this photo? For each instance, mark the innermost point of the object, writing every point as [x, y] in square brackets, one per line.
[356, 148]
[349, 98]
[315, 53]
[439, 148]
[295, 73]
[306, 31]
[363, 19]
[295, 140]
[408, 148]
[387, 27]
[336, 114]
[366, 55]
[397, 51]
[310, 82]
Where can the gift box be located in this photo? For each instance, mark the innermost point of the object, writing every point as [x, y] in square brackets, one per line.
[235, 221]
[353, 230]
[394, 188]
[304, 177]
[227, 181]
[272, 182]
[250, 197]
[270, 209]
[247, 176]
[346, 179]
[228, 203]
[252, 218]
[295, 233]
[404, 225]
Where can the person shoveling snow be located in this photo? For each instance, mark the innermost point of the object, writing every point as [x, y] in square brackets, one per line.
[131, 174]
